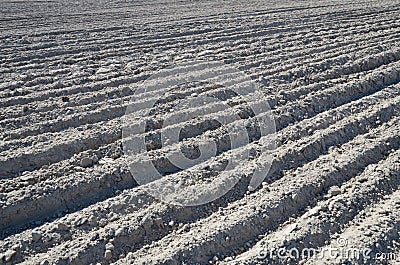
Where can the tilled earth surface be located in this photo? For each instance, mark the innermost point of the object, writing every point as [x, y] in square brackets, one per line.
[330, 70]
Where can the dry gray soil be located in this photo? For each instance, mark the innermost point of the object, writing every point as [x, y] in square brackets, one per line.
[330, 71]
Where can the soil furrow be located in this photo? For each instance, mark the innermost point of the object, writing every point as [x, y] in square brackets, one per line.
[329, 216]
